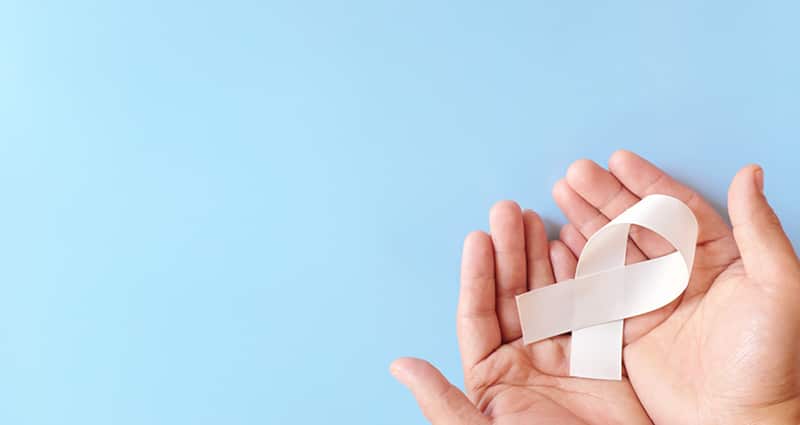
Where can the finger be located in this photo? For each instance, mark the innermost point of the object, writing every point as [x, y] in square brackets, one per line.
[508, 238]
[586, 218]
[600, 189]
[540, 273]
[643, 178]
[551, 356]
[766, 251]
[476, 320]
[573, 239]
[441, 402]
[564, 261]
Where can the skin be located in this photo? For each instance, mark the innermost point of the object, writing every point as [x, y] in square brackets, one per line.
[727, 351]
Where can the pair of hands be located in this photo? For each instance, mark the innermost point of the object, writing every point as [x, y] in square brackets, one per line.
[727, 351]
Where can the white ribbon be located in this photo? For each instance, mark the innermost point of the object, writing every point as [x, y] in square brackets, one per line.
[605, 290]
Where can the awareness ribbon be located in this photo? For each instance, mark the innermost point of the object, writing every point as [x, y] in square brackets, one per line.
[605, 290]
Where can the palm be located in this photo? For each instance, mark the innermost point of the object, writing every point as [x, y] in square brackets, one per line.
[713, 343]
[508, 381]
[512, 387]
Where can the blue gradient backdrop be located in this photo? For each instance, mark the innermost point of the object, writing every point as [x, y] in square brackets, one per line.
[240, 212]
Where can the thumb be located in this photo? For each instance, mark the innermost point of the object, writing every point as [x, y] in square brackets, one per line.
[441, 402]
[766, 251]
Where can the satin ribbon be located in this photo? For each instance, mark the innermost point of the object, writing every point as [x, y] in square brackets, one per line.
[605, 291]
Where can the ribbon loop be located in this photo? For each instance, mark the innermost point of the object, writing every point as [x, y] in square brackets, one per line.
[605, 291]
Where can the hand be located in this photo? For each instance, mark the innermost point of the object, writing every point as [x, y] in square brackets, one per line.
[508, 382]
[728, 350]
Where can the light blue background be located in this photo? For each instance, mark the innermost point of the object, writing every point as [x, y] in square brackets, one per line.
[241, 212]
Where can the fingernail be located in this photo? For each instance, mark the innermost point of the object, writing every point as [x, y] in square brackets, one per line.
[399, 375]
[395, 371]
[759, 175]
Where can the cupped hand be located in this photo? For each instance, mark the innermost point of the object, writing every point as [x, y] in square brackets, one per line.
[728, 350]
[506, 382]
